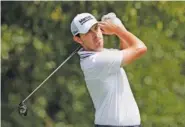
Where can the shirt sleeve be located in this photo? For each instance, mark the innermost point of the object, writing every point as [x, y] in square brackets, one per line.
[109, 61]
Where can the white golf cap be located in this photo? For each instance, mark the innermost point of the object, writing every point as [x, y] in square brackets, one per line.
[82, 23]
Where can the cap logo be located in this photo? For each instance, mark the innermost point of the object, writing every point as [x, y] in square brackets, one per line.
[85, 19]
[76, 31]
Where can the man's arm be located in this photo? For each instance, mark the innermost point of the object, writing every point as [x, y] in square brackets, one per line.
[136, 48]
[123, 44]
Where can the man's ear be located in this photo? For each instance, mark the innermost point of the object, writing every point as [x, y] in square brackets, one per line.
[77, 39]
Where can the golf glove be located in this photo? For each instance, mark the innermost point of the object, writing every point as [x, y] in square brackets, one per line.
[112, 17]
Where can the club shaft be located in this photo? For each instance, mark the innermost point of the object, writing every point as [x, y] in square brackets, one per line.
[51, 75]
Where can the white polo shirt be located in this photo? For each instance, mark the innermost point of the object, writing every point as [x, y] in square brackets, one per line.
[109, 88]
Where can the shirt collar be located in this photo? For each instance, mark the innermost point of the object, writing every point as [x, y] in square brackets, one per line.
[84, 54]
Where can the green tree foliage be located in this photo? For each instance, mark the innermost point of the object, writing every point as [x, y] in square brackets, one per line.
[36, 38]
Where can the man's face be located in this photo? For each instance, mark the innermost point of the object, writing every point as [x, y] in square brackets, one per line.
[93, 40]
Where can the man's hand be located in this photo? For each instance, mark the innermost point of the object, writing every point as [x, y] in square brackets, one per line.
[109, 28]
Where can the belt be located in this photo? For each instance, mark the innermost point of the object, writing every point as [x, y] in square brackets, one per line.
[116, 126]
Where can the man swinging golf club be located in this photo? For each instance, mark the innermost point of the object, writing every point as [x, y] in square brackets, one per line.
[105, 78]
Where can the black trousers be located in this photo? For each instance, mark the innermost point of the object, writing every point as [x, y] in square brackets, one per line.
[116, 126]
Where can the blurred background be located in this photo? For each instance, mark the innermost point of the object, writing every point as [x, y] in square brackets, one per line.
[36, 38]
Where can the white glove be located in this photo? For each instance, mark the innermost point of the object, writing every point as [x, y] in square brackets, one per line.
[112, 17]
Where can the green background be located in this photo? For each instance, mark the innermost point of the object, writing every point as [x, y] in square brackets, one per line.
[36, 38]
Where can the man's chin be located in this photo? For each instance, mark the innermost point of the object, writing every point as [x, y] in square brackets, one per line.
[100, 48]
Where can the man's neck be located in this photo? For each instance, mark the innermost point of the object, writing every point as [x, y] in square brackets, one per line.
[93, 50]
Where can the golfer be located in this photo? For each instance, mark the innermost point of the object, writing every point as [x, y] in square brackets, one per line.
[105, 78]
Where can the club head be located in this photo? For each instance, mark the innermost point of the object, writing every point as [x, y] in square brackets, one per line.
[22, 109]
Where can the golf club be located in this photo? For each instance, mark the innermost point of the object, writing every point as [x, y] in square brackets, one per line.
[22, 108]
